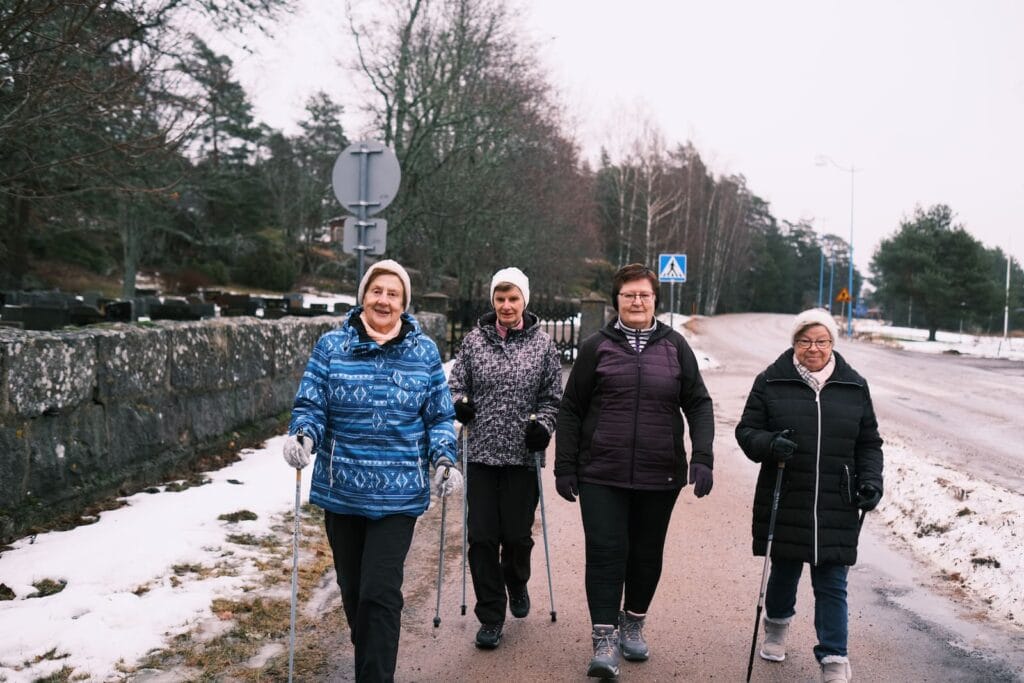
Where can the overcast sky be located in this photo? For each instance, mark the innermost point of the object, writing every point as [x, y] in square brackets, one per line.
[924, 98]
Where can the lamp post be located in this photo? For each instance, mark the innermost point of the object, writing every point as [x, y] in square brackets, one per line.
[831, 277]
[823, 160]
[821, 276]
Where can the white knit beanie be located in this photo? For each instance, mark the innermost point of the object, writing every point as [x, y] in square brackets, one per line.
[815, 316]
[512, 276]
[391, 266]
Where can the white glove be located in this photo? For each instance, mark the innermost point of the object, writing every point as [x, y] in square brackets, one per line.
[445, 487]
[297, 450]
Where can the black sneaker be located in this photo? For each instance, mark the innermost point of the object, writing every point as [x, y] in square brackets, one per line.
[518, 602]
[488, 636]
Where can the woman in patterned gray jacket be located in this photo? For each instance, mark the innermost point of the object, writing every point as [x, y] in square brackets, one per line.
[506, 371]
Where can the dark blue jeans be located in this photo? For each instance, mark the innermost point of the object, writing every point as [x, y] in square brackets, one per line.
[625, 541]
[830, 612]
[369, 558]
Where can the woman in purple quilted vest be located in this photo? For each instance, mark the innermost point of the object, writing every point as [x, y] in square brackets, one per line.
[619, 447]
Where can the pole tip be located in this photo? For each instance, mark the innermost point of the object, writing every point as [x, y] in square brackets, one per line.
[437, 621]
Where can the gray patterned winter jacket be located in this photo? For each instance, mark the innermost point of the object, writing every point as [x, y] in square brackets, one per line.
[507, 380]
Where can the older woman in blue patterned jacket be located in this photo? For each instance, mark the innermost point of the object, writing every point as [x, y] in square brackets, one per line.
[507, 370]
[374, 407]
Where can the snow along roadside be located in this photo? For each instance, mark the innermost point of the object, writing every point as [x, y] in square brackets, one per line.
[966, 529]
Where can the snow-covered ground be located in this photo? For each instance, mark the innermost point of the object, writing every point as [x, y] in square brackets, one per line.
[124, 595]
[913, 339]
[130, 577]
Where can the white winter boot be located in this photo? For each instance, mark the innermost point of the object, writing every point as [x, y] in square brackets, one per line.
[836, 669]
[774, 646]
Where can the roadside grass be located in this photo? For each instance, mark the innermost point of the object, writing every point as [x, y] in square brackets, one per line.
[254, 645]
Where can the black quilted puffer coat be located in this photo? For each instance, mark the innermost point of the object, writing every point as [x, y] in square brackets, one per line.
[838, 449]
[508, 380]
[621, 419]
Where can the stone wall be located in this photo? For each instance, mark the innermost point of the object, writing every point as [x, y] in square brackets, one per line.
[86, 414]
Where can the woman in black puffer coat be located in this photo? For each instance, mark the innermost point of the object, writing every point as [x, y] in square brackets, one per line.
[811, 412]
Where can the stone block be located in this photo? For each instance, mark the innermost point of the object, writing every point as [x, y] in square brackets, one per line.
[211, 414]
[131, 362]
[47, 372]
[141, 430]
[293, 341]
[66, 453]
[217, 354]
[14, 466]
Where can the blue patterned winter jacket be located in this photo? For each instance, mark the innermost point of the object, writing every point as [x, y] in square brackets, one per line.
[379, 416]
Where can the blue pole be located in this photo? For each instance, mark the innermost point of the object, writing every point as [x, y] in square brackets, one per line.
[849, 326]
[831, 275]
[821, 276]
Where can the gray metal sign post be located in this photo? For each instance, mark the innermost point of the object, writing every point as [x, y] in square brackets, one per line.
[365, 179]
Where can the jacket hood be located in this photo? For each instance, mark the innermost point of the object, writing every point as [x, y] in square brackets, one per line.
[410, 327]
[488, 320]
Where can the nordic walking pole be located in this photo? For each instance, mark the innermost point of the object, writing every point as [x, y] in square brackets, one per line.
[544, 527]
[764, 572]
[295, 576]
[465, 507]
[440, 554]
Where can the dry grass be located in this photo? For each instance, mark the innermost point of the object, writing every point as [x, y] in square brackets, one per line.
[45, 587]
[70, 277]
[261, 617]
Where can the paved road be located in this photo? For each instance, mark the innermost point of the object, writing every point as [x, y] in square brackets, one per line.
[700, 624]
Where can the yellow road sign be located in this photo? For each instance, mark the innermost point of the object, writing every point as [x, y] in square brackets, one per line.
[843, 296]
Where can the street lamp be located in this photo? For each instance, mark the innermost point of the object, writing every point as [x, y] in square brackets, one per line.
[824, 160]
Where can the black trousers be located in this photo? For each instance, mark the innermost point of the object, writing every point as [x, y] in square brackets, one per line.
[369, 558]
[625, 539]
[502, 505]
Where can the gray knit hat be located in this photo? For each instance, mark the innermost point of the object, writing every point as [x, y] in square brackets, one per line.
[391, 267]
[814, 316]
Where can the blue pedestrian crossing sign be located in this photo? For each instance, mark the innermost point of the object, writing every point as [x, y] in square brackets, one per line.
[672, 267]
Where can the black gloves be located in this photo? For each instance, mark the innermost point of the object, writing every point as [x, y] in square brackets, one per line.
[782, 448]
[701, 478]
[465, 411]
[567, 486]
[537, 438]
[868, 497]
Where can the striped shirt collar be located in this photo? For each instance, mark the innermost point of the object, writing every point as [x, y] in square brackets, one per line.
[637, 338]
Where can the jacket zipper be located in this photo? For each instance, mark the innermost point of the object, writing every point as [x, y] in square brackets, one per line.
[817, 473]
[419, 464]
[849, 488]
[330, 464]
[636, 416]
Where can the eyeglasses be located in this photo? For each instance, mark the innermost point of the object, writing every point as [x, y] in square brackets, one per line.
[380, 293]
[644, 297]
[820, 344]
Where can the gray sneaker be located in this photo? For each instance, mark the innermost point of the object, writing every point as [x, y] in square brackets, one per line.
[605, 662]
[631, 638]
